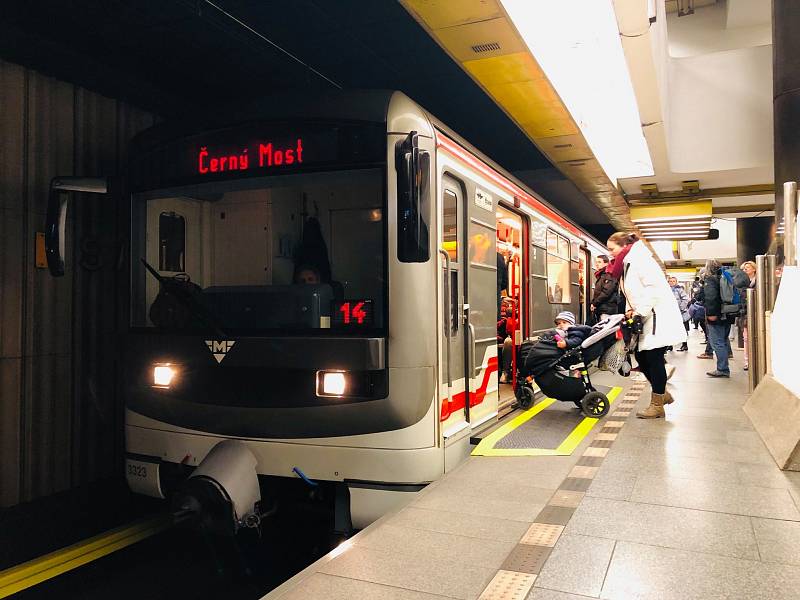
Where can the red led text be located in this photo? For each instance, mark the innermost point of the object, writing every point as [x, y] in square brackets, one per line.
[220, 164]
[270, 155]
[353, 313]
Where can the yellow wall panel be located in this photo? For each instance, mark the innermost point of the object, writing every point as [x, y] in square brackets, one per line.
[447, 13]
[552, 128]
[459, 40]
[508, 68]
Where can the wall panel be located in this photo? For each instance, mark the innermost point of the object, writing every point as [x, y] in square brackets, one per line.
[60, 415]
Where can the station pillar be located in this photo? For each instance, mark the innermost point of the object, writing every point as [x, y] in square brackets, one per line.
[785, 96]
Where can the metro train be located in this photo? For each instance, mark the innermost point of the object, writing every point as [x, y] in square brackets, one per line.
[314, 302]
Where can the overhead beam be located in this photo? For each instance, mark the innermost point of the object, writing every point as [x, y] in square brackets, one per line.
[702, 194]
[746, 208]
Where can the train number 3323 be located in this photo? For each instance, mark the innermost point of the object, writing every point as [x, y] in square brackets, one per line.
[137, 471]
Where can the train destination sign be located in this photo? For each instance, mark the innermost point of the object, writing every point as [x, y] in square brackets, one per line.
[258, 150]
[268, 154]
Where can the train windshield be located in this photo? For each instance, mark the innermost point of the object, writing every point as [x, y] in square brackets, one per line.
[297, 254]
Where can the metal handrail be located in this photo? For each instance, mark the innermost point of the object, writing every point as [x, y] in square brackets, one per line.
[790, 202]
[752, 337]
[759, 359]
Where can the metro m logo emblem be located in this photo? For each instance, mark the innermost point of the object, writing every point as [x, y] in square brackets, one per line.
[220, 349]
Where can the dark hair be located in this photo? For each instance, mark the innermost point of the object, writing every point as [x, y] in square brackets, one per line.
[604, 258]
[306, 267]
[621, 238]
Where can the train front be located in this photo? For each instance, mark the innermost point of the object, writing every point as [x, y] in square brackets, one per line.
[258, 367]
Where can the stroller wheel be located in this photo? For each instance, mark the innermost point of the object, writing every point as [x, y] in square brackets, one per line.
[595, 405]
[525, 396]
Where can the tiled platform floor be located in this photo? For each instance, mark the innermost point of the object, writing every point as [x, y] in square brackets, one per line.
[688, 507]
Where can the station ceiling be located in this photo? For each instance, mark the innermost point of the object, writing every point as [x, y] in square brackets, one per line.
[178, 55]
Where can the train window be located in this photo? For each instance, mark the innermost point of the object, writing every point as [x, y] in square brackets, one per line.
[172, 242]
[538, 261]
[559, 290]
[297, 255]
[450, 224]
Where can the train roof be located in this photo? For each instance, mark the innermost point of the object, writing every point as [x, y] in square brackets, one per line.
[355, 105]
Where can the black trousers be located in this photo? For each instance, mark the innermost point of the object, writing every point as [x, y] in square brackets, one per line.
[651, 362]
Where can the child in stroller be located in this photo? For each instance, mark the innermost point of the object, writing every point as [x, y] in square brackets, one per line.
[550, 361]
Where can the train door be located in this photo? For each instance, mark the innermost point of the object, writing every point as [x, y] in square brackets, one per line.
[510, 244]
[453, 380]
[480, 306]
[470, 346]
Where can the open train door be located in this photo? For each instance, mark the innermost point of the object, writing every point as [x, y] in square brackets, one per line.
[470, 308]
[481, 305]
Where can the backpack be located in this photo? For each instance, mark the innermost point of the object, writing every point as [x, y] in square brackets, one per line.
[729, 294]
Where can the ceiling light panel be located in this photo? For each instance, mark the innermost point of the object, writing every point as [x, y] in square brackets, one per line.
[577, 44]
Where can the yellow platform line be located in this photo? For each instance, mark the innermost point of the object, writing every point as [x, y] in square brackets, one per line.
[50, 565]
[567, 447]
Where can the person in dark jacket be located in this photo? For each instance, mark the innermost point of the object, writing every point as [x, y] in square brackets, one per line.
[717, 324]
[502, 282]
[605, 299]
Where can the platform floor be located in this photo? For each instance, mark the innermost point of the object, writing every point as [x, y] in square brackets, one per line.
[688, 507]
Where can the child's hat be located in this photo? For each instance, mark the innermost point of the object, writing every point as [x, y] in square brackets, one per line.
[566, 316]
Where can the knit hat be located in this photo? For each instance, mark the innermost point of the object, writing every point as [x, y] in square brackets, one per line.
[566, 316]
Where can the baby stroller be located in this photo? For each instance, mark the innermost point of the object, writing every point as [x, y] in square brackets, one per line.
[549, 366]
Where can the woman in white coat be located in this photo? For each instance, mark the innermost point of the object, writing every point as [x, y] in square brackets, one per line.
[648, 294]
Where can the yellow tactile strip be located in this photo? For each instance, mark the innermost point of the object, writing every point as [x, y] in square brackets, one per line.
[518, 573]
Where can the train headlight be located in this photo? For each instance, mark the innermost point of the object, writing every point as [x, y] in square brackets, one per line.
[164, 375]
[331, 383]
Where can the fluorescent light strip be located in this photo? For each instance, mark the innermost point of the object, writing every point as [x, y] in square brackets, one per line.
[692, 236]
[676, 232]
[672, 227]
[578, 46]
[687, 218]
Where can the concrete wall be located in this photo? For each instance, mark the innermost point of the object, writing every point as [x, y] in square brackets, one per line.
[719, 27]
[60, 422]
[721, 111]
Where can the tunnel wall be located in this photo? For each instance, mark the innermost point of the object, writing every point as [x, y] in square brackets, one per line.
[60, 417]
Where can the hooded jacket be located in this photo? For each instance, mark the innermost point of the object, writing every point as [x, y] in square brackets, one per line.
[683, 301]
[648, 293]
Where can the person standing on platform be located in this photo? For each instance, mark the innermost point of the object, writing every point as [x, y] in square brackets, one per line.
[683, 305]
[749, 268]
[605, 299]
[648, 295]
[718, 316]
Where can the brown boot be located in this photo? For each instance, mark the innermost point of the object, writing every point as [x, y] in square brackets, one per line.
[656, 408]
[668, 399]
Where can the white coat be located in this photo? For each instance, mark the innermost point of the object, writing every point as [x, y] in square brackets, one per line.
[648, 293]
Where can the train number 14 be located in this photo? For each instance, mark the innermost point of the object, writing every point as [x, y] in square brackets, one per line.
[353, 313]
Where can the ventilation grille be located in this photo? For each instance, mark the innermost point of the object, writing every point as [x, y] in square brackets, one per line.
[488, 47]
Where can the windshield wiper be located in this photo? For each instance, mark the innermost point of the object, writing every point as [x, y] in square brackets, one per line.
[185, 297]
